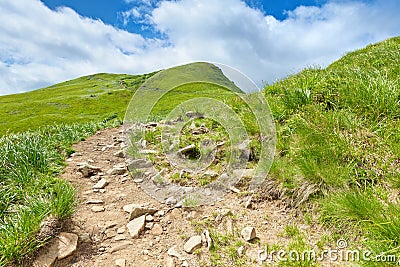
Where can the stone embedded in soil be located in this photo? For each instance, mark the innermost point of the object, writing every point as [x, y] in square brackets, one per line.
[98, 209]
[94, 201]
[61, 247]
[170, 262]
[138, 164]
[192, 244]
[187, 149]
[67, 243]
[119, 237]
[156, 230]
[120, 262]
[248, 233]
[240, 250]
[249, 204]
[173, 252]
[136, 226]
[117, 169]
[171, 201]
[121, 230]
[149, 218]
[120, 246]
[119, 154]
[137, 210]
[88, 170]
[101, 184]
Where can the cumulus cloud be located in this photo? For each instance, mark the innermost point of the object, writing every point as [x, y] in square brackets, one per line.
[39, 46]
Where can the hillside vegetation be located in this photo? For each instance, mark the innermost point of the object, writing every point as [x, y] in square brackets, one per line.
[339, 144]
[337, 158]
[90, 98]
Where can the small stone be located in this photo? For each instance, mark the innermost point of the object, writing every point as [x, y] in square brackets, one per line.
[234, 190]
[88, 170]
[185, 264]
[208, 239]
[149, 225]
[110, 224]
[187, 149]
[137, 210]
[173, 251]
[98, 209]
[117, 169]
[136, 226]
[156, 230]
[240, 250]
[120, 262]
[94, 201]
[67, 243]
[171, 201]
[119, 237]
[149, 218]
[110, 233]
[101, 184]
[248, 204]
[192, 244]
[248, 233]
[160, 213]
[120, 247]
[119, 154]
[121, 230]
[143, 143]
[139, 164]
[84, 238]
[170, 262]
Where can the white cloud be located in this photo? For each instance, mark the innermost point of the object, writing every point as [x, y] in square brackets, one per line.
[39, 46]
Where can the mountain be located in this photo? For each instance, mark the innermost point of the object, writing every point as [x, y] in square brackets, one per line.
[95, 97]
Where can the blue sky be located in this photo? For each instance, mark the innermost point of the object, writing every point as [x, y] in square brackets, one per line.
[49, 41]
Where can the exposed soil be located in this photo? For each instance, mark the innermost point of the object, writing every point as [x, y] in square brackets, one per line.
[103, 237]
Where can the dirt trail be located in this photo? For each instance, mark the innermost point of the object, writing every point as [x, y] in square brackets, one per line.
[105, 241]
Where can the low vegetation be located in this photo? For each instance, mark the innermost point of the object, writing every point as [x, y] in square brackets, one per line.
[31, 195]
[338, 144]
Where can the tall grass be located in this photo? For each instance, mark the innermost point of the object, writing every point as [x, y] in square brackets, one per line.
[338, 143]
[30, 191]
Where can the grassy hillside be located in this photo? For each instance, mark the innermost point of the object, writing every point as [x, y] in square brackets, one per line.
[339, 145]
[89, 98]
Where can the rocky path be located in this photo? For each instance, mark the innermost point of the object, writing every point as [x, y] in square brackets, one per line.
[117, 224]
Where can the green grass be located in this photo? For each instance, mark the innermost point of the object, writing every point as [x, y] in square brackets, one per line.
[30, 191]
[89, 98]
[338, 144]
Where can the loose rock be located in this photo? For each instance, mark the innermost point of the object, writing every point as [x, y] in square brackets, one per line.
[98, 209]
[117, 170]
[137, 210]
[156, 230]
[173, 251]
[249, 233]
[88, 170]
[101, 184]
[136, 226]
[120, 262]
[192, 244]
